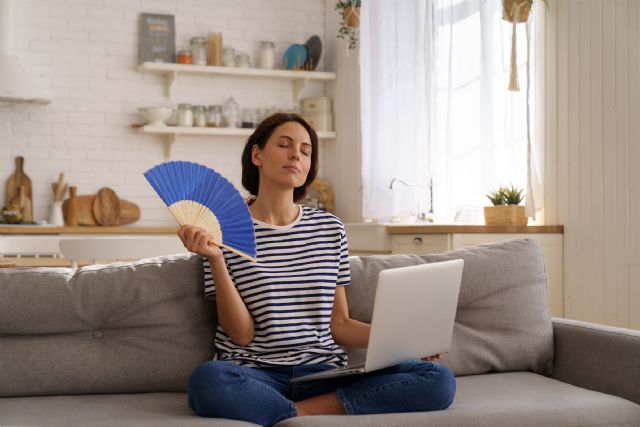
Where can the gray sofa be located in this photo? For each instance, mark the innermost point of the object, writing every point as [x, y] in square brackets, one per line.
[114, 345]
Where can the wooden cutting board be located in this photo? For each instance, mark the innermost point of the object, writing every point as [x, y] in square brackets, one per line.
[129, 212]
[14, 182]
[106, 207]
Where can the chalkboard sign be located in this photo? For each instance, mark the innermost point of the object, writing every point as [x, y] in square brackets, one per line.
[158, 38]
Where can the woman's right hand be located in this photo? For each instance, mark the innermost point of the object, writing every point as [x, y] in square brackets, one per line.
[198, 241]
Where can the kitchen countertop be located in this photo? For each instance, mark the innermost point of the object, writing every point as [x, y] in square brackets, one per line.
[34, 229]
[390, 228]
[472, 229]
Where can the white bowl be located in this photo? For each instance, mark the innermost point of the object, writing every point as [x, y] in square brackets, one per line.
[156, 116]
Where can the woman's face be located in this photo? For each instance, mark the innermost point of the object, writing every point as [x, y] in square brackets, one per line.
[285, 159]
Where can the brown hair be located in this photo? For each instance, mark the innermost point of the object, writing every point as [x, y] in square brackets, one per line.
[250, 174]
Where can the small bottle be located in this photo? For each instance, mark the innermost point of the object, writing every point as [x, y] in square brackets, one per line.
[214, 116]
[72, 208]
[215, 49]
[185, 57]
[199, 116]
[184, 116]
[199, 50]
[267, 57]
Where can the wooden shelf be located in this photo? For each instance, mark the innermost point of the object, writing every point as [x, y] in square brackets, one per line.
[171, 133]
[172, 71]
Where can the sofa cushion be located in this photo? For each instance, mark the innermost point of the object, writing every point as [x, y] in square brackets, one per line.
[106, 410]
[502, 323]
[124, 327]
[508, 399]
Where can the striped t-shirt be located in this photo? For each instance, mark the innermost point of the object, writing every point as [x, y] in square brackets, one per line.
[289, 292]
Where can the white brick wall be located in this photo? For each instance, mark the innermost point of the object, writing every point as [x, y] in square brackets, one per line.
[85, 52]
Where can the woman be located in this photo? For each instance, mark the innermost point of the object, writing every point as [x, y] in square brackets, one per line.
[287, 315]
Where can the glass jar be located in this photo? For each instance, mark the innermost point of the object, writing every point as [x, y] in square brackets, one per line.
[267, 55]
[243, 60]
[199, 50]
[229, 57]
[199, 116]
[214, 116]
[231, 112]
[250, 118]
[185, 57]
[184, 115]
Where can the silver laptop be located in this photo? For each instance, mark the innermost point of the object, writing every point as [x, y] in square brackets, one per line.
[413, 317]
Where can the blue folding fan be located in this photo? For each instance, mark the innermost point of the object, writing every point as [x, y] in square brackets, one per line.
[197, 195]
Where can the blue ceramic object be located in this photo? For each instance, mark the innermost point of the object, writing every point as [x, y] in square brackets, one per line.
[294, 57]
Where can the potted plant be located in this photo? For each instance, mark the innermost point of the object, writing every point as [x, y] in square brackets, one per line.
[505, 209]
[518, 10]
[350, 20]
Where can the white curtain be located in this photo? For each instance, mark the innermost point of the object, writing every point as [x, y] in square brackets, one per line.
[435, 106]
[394, 57]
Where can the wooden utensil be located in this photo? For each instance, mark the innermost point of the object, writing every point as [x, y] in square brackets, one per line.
[84, 210]
[72, 209]
[17, 179]
[60, 188]
[129, 211]
[106, 207]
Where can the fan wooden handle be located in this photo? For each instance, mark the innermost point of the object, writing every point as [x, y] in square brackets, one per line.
[237, 252]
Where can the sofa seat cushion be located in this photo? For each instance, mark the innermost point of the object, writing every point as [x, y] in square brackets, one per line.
[506, 399]
[144, 409]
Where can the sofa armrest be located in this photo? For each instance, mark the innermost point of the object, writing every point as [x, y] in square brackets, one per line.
[597, 357]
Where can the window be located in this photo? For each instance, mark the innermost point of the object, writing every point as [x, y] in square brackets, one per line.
[475, 133]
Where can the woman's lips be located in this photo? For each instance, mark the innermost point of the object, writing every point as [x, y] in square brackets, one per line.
[292, 168]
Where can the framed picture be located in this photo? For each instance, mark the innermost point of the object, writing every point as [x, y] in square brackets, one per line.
[158, 43]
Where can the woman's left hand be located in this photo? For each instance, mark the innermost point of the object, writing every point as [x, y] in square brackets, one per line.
[433, 358]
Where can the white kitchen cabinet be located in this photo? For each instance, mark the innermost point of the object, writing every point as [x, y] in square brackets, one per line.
[34, 246]
[420, 244]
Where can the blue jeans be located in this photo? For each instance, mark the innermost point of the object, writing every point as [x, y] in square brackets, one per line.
[265, 395]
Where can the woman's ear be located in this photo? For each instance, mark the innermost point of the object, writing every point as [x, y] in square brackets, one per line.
[255, 155]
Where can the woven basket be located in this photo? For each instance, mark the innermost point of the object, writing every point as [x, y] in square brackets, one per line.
[352, 16]
[505, 215]
[520, 7]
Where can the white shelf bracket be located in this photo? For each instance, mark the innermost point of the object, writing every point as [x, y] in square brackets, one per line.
[170, 79]
[168, 145]
[298, 86]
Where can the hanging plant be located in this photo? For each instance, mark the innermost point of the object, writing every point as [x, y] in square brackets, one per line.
[350, 21]
[516, 12]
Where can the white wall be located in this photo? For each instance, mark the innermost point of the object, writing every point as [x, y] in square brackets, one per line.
[342, 159]
[593, 152]
[86, 53]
